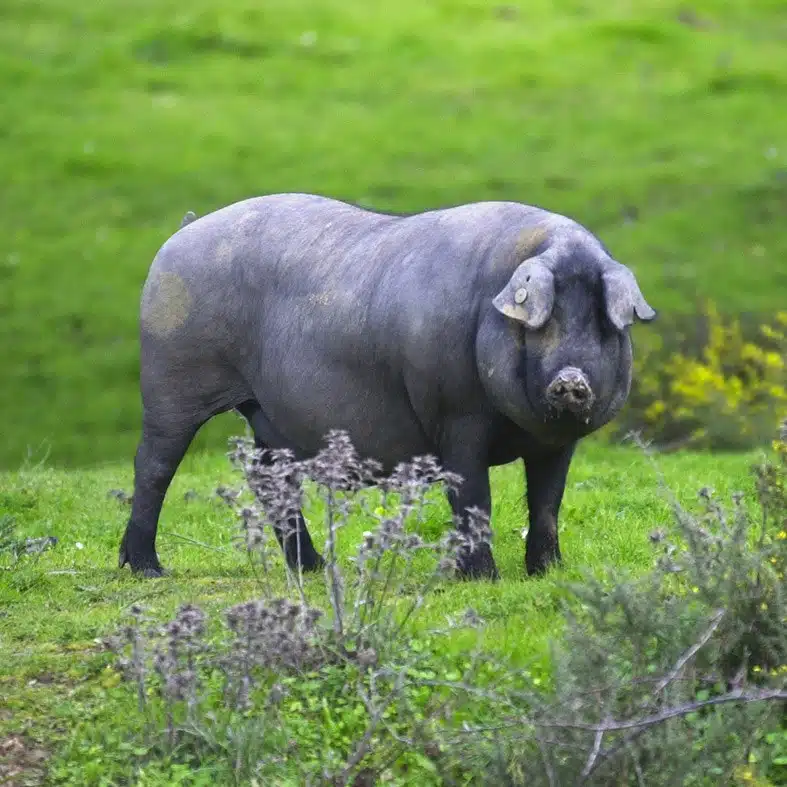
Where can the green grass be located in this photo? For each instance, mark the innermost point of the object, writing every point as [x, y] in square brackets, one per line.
[54, 681]
[661, 131]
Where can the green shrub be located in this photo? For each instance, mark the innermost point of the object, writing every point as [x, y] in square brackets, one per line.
[715, 384]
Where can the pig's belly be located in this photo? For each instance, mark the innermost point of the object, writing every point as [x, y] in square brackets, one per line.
[304, 402]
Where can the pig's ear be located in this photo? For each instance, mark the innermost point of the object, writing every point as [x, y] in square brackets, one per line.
[529, 295]
[623, 297]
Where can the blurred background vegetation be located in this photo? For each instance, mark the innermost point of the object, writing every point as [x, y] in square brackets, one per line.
[658, 124]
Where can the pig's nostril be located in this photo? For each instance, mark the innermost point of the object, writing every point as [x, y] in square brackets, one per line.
[570, 390]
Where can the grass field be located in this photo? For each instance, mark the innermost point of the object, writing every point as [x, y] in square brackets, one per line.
[657, 124]
[660, 125]
[54, 683]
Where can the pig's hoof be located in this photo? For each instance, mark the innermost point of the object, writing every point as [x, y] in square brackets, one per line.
[150, 569]
[310, 563]
[478, 564]
[146, 566]
[308, 557]
[317, 564]
[140, 557]
[123, 552]
[153, 572]
[539, 566]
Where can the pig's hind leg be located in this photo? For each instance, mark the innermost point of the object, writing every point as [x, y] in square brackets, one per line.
[175, 406]
[160, 451]
[293, 536]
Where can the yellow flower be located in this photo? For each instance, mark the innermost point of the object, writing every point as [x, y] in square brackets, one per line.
[731, 381]
[751, 352]
[745, 775]
[774, 360]
[769, 332]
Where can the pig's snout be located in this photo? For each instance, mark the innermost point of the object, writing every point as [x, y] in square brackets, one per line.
[570, 390]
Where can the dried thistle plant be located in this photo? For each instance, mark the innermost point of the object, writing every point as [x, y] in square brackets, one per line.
[384, 583]
[370, 604]
[277, 636]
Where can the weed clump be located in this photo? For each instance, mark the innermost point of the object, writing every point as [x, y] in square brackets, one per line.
[358, 655]
[19, 549]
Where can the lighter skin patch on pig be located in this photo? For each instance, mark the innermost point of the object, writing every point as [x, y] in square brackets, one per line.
[167, 304]
[224, 253]
[516, 334]
[321, 298]
[528, 241]
[245, 219]
[514, 312]
[549, 341]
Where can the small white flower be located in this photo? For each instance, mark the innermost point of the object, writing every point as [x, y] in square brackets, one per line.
[79, 545]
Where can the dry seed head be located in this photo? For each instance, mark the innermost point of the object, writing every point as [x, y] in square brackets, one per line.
[413, 542]
[367, 658]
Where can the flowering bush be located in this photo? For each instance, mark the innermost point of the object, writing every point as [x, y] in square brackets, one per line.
[724, 387]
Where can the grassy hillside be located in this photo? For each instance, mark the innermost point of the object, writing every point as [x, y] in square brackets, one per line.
[658, 124]
[55, 685]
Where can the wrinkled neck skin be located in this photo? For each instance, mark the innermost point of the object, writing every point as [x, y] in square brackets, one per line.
[516, 365]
